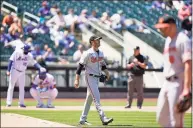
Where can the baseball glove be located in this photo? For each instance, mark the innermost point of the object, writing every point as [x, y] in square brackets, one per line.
[184, 103]
[103, 78]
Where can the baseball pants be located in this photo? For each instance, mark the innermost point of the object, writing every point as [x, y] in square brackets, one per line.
[16, 76]
[167, 99]
[51, 94]
[135, 82]
[93, 94]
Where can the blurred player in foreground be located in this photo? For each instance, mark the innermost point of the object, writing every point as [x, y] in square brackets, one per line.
[177, 72]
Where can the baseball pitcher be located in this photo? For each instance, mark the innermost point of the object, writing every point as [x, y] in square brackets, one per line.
[177, 72]
[93, 60]
[44, 86]
[17, 66]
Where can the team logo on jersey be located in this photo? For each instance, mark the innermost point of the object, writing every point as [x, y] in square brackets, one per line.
[95, 59]
[19, 58]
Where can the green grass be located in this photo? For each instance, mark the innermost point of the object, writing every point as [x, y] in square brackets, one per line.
[125, 119]
[81, 103]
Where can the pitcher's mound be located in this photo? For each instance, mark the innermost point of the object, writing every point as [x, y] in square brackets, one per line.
[16, 120]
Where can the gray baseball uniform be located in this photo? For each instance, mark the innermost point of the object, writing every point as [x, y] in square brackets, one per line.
[92, 62]
[176, 53]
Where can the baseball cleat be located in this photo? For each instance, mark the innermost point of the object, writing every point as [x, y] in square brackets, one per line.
[50, 106]
[40, 106]
[139, 107]
[128, 106]
[8, 105]
[106, 121]
[84, 123]
[22, 106]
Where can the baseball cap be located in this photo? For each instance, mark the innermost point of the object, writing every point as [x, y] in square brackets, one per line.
[137, 48]
[92, 38]
[165, 21]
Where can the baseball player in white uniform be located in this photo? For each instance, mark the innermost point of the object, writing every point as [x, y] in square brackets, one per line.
[44, 86]
[93, 61]
[17, 66]
[177, 72]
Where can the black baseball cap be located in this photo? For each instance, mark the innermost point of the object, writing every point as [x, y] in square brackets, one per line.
[165, 21]
[136, 48]
[92, 38]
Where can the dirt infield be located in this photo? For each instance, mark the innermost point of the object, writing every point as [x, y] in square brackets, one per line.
[16, 120]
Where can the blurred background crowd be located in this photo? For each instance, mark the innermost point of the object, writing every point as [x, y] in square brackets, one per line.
[55, 38]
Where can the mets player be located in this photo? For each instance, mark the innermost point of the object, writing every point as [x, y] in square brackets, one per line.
[177, 72]
[93, 61]
[17, 66]
[44, 85]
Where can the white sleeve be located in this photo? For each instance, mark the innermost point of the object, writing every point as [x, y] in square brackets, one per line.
[84, 58]
[49, 22]
[36, 80]
[186, 50]
[31, 59]
[13, 56]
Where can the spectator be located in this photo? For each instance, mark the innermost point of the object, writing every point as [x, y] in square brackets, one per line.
[7, 20]
[37, 51]
[63, 59]
[4, 38]
[82, 21]
[77, 54]
[71, 20]
[16, 30]
[158, 4]
[132, 26]
[28, 29]
[117, 20]
[93, 16]
[178, 4]
[48, 54]
[105, 19]
[57, 22]
[53, 10]
[44, 11]
[41, 28]
[184, 12]
[64, 39]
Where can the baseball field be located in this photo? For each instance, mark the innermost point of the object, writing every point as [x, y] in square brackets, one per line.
[68, 111]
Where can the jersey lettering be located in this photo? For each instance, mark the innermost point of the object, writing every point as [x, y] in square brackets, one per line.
[171, 49]
[94, 59]
[171, 59]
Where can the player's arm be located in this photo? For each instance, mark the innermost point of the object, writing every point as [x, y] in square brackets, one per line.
[83, 61]
[53, 83]
[77, 77]
[35, 63]
[105, 70]
[187, 60]
[11, 59]
[35, 83]
[130, 64]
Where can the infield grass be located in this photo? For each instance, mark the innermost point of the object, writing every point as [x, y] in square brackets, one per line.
[80, 103]
[121, 119]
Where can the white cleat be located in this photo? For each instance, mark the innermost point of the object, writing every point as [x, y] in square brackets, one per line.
[84, 123]
[50, 106]
[40, 106]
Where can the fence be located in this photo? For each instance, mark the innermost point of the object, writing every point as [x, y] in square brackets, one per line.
[65, 74]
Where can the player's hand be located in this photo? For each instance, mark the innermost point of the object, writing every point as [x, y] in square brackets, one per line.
[76, 83]
[8, 73]
[185, 92]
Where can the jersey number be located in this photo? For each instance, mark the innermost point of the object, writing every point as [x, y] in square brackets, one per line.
[171, 59]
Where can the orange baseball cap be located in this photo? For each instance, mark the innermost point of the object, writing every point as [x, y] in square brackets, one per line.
[165, 21]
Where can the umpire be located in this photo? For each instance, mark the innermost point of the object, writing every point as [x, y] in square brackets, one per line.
[137, 64]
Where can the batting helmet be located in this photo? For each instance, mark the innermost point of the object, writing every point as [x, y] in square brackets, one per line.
[26, 48]
[42, 74]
